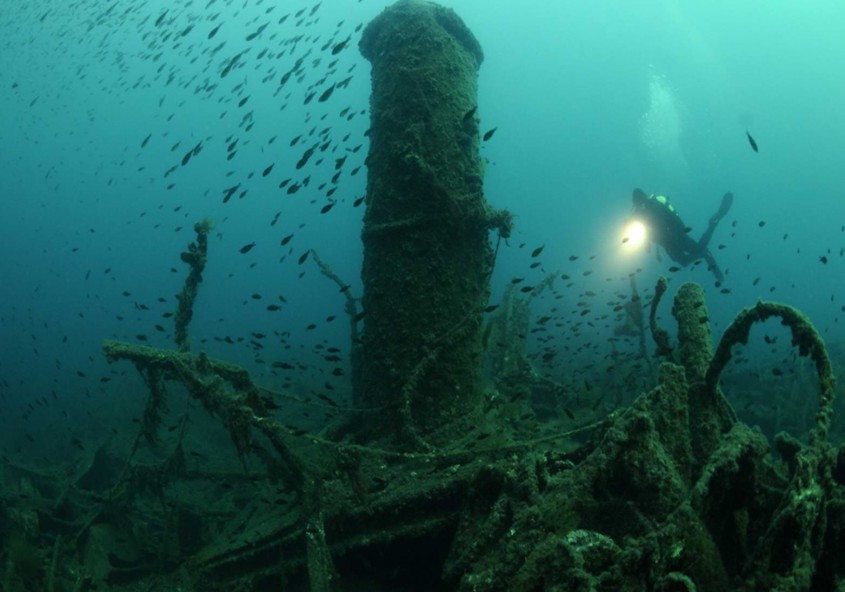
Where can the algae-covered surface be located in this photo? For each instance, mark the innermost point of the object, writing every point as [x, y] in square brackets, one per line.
[469, 432]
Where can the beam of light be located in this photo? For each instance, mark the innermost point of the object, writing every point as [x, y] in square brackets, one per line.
[633, 236]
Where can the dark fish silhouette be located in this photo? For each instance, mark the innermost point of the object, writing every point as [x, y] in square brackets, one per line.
[326, 94]
[247, 248]
[339, 47]
[752, 142]
[260, 30]
[228, 193]
[305, 156]
[488, 134]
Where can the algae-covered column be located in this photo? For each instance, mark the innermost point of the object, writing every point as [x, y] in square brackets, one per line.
[709, 412]
[427, 255]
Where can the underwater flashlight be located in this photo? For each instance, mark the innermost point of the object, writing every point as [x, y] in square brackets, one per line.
[633, 235]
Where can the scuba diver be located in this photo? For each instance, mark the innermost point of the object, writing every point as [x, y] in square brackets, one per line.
[666, 229]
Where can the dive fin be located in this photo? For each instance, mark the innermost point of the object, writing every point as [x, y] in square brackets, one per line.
[727, 202]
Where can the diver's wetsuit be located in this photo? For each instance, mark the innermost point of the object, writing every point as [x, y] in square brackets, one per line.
[667, 229]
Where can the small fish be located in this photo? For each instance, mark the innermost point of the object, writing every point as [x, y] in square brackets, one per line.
[823, 259]
[752, 142]
[247, 248]
[328, 400]
[326, 94]
[303, 257]
[267, 170]
[339, 47]
[146, 141]
[358, 202]
[260, 30]
[286, 240]
[325, 209]
[491, 308]
[488, 134]
[305, 156]
[468, 115]
[273, 307]
[228, 193]
[536, 252]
